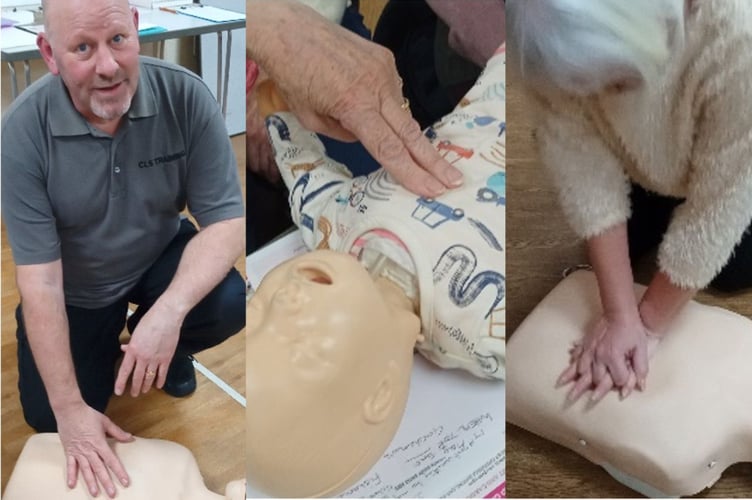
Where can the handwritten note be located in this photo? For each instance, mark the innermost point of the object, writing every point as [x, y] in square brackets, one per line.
[450, 443]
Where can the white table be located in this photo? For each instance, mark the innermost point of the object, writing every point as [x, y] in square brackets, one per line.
[176, 26]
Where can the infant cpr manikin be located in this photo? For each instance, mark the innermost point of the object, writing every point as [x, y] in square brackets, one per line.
[674, 439]
[329, 356]
[159, 470]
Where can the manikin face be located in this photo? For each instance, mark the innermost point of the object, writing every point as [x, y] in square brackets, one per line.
[93, 46]
[328, 365]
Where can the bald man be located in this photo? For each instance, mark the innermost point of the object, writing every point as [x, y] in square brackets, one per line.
[100, 157]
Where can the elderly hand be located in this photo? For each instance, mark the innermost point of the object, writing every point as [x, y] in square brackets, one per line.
[150, 350]
[614, 353]
[346, 87]
[83, 432]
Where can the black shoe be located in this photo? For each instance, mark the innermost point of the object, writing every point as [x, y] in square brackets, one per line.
[181, 377]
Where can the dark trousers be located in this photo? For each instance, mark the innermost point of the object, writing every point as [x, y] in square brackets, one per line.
[94, 333]
[651, 215]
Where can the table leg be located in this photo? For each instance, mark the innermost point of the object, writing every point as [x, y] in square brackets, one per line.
[13, 80]
[27, 72]
[227, 74]
[219, 67]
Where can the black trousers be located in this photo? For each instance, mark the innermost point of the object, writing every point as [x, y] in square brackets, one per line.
[94, 333]
[651, 215]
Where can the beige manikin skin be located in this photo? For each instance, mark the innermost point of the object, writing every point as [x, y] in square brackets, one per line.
[329, 357]
[159, 470]
[693, 420]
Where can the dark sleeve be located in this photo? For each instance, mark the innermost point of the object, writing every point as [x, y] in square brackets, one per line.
[26, 208]
[213, 184]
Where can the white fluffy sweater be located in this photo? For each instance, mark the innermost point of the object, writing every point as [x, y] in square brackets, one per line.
[688, 135]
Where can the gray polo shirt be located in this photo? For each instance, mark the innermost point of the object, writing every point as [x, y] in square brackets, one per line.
[109, 205]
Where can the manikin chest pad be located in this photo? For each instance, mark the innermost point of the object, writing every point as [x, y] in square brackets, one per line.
[693, 420]
[158, 469]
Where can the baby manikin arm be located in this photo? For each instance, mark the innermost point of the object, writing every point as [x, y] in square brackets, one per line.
[316, 182]
[676, 438]
[159, 470]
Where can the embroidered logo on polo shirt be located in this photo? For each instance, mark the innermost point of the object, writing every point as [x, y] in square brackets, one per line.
[160, 160]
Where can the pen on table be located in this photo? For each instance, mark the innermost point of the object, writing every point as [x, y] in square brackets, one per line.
[167, 9]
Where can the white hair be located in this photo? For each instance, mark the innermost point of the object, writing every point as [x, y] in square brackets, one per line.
[583, 46]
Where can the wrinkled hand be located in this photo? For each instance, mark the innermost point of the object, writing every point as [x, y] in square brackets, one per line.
[149, 352]
[344, 86]
[614, 354]
[259, 154]
[83, 432]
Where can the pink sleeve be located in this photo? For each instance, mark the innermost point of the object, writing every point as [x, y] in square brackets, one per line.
[251, 73]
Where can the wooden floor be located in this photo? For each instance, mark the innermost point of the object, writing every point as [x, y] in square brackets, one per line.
[540, 245]
[209, 423]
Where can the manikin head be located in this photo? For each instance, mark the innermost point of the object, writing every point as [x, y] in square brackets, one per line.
[93, 46]
[329, 357]
[585, 48]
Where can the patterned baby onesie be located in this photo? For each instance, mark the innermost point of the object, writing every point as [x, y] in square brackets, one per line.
[448, 253]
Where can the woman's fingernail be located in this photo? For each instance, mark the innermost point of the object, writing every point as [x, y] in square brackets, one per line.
[455, 177]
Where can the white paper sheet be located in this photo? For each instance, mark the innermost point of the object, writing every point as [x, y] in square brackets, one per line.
[451, 441]
[450, 444]
[31, 28]
[209, 13]
[14, 37]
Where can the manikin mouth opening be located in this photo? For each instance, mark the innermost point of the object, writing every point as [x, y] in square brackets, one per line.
[315, 275]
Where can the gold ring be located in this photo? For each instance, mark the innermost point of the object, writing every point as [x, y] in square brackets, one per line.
[150, 373]
[405, 104]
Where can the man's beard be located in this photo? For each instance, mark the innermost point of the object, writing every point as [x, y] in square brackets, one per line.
[110, 110]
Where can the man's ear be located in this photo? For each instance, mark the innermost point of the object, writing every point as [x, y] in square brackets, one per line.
[379, 404]
[135, 17]
[45, 48]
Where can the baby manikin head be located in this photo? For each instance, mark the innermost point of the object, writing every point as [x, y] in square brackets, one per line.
[329, 357]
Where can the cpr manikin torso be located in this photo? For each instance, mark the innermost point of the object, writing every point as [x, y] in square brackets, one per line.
[159, 470]
[693, 420]
[329, 356]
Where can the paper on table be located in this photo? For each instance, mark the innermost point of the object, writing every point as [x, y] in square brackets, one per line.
[450, 442]
[31, 28]
[14, 37]
[19, 16]
[211, 13]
